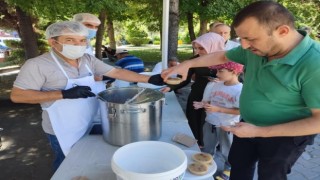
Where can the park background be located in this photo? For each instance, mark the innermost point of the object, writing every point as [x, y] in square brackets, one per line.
[135, 22]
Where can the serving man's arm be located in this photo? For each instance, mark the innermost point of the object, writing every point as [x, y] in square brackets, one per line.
[202, 61]
[32, 96]
[307, 126]
[127, 75]
[131, 76]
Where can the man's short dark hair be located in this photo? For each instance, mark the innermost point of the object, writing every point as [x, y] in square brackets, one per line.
[175, 59]
[268, 13]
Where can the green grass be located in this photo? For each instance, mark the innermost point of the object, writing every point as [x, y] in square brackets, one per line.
[152, 53]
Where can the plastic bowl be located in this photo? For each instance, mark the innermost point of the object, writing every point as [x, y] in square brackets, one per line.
[146, 160]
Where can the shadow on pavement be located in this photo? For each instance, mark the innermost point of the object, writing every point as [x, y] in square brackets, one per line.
[25, 152]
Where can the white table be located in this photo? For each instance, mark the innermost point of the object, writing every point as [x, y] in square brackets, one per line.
[91, 156]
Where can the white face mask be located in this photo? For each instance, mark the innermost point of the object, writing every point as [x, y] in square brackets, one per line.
[72, 52]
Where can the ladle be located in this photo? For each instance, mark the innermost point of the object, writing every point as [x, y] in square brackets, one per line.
[135, 96]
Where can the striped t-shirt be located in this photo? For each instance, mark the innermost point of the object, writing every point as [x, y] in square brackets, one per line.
[131, 63]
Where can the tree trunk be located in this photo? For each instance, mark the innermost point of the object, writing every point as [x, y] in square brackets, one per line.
[28, 36]
[100, 32]
[203, 21]
[173, 28]
[203, 27]
[110, 30]
[190, 26]
[160, 37]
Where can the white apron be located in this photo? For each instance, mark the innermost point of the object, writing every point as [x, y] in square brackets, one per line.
[71, 118]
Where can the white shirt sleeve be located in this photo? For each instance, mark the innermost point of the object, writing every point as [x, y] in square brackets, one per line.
[157, 68]
[230, 45]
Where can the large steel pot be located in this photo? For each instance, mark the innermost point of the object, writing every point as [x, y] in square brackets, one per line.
[140, 120]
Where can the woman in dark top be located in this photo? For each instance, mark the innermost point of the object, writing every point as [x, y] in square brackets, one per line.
[205, 44]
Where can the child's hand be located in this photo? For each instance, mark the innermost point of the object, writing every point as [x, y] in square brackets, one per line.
[165, 89]
[211, 108]
[197, 104]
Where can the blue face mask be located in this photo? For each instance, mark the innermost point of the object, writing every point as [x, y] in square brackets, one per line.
[92, 33]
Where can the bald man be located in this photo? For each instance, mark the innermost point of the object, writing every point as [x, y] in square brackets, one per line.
[224, 30]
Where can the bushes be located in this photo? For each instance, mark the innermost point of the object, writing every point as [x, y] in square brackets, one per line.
[17, 54]
[137, 41]
[16, 57]
[156, 42]
[186, 38]
[136, 36]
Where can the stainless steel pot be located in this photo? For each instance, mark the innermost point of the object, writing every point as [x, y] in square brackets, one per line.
[123, 123]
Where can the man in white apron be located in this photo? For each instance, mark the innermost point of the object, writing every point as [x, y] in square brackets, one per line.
[62, 81]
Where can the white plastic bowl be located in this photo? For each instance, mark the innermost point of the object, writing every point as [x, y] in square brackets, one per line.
[149, 160]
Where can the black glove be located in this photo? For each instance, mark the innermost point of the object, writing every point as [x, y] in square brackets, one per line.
[156, 80]
[77, 92]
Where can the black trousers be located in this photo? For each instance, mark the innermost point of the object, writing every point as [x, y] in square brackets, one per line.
[196, 118]
[275, 156]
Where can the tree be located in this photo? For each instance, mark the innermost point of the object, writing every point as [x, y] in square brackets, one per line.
[173, 28]
[188, 8]
[27, 33]
[35, 15]
[28, 14]
[110, 31]
[148, 12]
[203, 11]
[23, 23]
[203, 16]
[191, 26]
[306, 12]
[100, 32]
[8, 17]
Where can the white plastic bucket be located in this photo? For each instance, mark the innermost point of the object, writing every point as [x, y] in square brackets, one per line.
[149, 160]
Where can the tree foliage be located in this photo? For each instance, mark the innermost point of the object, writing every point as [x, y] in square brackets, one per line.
[145, 13]
[136, 35]
[214, 10]
[8, 17]
[306, 12]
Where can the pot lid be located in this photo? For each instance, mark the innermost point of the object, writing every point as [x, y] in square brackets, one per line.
[130, 95]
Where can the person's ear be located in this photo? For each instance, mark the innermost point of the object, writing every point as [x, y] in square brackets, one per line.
[51, 42]
[283, 30]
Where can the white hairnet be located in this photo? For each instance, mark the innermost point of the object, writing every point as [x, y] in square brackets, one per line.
[86, 17]
[66, 28]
